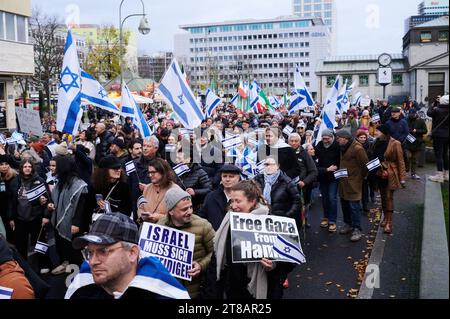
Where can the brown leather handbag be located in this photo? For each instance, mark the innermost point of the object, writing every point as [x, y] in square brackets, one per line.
[383, 172]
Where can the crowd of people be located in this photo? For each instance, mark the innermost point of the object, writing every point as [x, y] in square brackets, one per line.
[93, 206]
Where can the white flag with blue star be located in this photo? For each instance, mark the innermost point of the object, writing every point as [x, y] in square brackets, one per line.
[301, 97]
[131, 109]
[329, 110]
[212, 101]
[179, 96]
[69, 96]
[94, 93]
[292, 253]
[343, 102]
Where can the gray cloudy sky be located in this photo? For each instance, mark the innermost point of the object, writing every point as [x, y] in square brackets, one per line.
[364, 26]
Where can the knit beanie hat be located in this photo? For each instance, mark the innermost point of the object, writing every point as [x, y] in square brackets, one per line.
[174, 196]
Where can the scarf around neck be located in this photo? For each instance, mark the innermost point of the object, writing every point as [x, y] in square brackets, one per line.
[269, 181]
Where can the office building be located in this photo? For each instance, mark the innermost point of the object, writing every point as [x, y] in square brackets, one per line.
[219, 54]
[154, 66]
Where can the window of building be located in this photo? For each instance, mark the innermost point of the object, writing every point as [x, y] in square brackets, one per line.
[2, 29]
[347, 78]
[307, 8]
[317, 7]
[363, 80]
[21, 29]
[425, 36]
[10, 30]
[443, 36]
[330, 80]
[397, 79]
[327, 6]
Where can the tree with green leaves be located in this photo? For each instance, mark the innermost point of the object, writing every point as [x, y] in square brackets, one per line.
[103, 60]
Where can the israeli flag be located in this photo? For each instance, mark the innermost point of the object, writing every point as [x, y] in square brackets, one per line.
[179, 96]
[36, 192]
[342, 173]
[374, 164]
[343, 104]
[288, 251]
[357, 98]
[276, 103]
[212, 101]
[94, 93]
[6, 293]
[151, 276]
[130, 167]
[41, 248]
[329, 111]
[141, 201]
[181, 169]
[411, 138]
[301, 97]
[230, 142]
[170, 148]
[235, 100]
[131, 109]
[376, 118]
[288, 130]
[69, 96]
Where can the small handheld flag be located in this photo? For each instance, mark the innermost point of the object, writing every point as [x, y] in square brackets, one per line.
[411, 138]
[374, 164]
[6, 293]
[36, 192]
[288, 130]
[41, 247]
[342, 173]
[231, 142]
[181, 169]
[375, 118]
[130, 167]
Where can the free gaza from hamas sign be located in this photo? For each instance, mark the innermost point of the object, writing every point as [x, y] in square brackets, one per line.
[255, 237]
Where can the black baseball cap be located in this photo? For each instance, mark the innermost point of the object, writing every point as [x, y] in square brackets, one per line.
[109, 229]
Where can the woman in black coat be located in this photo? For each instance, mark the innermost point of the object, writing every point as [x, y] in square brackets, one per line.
[196, 181]
[279, 191]
[108, 184]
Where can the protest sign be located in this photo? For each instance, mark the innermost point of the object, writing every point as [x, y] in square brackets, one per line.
[29, 121]
[253, 237]
[174, 248]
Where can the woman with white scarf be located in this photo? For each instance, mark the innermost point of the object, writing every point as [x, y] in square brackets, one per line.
[240, 281]
[282, 194]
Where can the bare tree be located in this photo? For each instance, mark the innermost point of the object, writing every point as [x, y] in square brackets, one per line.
[48, 40]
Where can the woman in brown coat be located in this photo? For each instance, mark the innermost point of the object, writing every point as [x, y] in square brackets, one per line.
[389, 176]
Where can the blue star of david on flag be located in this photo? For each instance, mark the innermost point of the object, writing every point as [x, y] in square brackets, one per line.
[102, 93]
[180, 97]
[73, 80]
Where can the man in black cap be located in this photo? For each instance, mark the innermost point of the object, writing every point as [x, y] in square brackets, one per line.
[118, 149]
[353, 160]
[215, 205]
[113, 270]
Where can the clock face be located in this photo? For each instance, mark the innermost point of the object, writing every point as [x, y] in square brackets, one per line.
[385, 59]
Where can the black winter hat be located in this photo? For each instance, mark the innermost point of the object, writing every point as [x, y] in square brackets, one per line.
[110, 162]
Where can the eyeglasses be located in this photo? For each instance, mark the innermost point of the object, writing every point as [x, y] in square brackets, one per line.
[101, 253]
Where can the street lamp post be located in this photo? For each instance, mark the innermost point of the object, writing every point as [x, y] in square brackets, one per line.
[143, 28]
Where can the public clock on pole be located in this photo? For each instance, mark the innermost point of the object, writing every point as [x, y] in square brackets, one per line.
[384, 59]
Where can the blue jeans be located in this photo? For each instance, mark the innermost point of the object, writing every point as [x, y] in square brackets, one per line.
[329, 200]
[352, 213]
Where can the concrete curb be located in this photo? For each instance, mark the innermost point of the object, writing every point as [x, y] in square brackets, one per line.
[434, 271]
[372, 276]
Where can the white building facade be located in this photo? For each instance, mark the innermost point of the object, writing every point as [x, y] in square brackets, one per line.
[221, 54]
[325, 9]
[433, 7]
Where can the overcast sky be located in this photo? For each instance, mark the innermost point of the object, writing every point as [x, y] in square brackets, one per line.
[364, 26]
